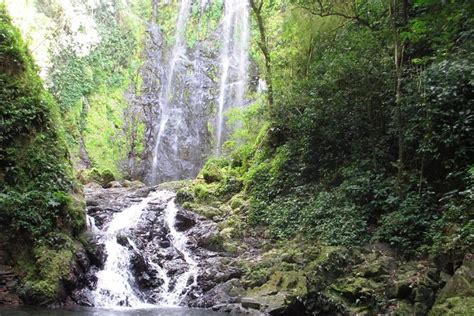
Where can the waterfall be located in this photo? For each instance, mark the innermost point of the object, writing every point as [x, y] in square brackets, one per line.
[179, 241]
[178, 53]
[234, 63]
[116, 284]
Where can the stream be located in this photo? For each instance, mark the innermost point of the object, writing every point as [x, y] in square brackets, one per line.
[147, 252]
[117, 283]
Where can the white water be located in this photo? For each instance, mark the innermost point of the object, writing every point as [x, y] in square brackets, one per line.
[234, 63]
[115, 284]
[179, 241]
[178, 53]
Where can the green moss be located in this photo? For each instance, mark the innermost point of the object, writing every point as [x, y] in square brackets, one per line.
[45, 267]
[454, 306]
[207, 211]
[39, 214]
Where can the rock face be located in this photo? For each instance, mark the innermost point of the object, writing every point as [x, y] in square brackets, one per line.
[185, 139]
[152, 252]
[8, 282]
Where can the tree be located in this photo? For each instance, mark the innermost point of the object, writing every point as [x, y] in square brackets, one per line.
[257, 6]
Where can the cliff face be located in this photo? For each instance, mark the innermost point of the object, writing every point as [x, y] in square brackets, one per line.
[142, 87]
[89, 53]
[40, 211]
[180, 79]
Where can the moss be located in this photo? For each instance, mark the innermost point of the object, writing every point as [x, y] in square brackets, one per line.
[454, 306]
[236, 202]
[185, 194]
[40, 213]
[211, 173]
[204, 210]
[175, 185]
[44, 268]
[107, 176]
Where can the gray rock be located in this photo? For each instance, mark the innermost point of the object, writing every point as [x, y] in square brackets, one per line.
[249, 302]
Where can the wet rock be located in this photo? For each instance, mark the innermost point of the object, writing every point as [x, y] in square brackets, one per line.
[113, 184]
[83, 297]
[138, 263]
[122, 239]
[184, 221]
[249, 302]
[228, 292]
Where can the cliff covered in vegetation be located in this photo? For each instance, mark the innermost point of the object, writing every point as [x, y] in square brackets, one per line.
[42, 212]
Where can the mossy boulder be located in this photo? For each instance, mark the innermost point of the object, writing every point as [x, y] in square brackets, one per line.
[103, 178]
[207, 211]
[45, 270]
[184, 195]
[457, 296]
[107, 177]
[281, 287]
[212, 173]
[135, 184]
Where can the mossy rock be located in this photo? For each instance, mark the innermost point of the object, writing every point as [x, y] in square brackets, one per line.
[454, 306]
[457, 296]
[204, 192]
[207, 211]
[94, 175]
[281, 287]
[283, 281]
[184, 195]
[355, 288]
[107, 176]
[211, 174]
[45, 269]
[175, 185]
[135, 184]
[236, 202]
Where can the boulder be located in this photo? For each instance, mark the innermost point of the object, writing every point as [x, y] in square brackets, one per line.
[184, 221]
[113, 184]
[249, 302]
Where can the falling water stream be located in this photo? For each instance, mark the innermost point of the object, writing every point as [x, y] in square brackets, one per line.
[234, 63]
[115, 282]
[178, 53]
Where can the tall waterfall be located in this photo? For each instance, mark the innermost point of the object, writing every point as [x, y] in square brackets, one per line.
[178, 53]
[192, 75]
[234, 63]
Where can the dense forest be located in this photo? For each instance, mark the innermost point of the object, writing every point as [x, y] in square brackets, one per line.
[341, 181]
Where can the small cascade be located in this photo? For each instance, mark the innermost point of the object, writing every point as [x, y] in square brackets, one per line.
[234, 63]
[116, 282]
[179, 241]
[178, 53]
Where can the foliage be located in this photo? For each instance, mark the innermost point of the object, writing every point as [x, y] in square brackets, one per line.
[339, 159]
[36, 180]
[91, 90]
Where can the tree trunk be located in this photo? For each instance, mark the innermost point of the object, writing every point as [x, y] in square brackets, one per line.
[263, 44]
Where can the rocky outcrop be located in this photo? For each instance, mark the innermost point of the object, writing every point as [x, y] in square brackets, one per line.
[257, 278]
[8, 282]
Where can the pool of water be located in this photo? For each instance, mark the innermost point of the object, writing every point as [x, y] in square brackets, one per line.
[87, 311]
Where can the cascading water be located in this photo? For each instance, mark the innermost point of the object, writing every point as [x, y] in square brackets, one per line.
[116, 282]
[179, 241]
[178, 53]
[234, 63]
